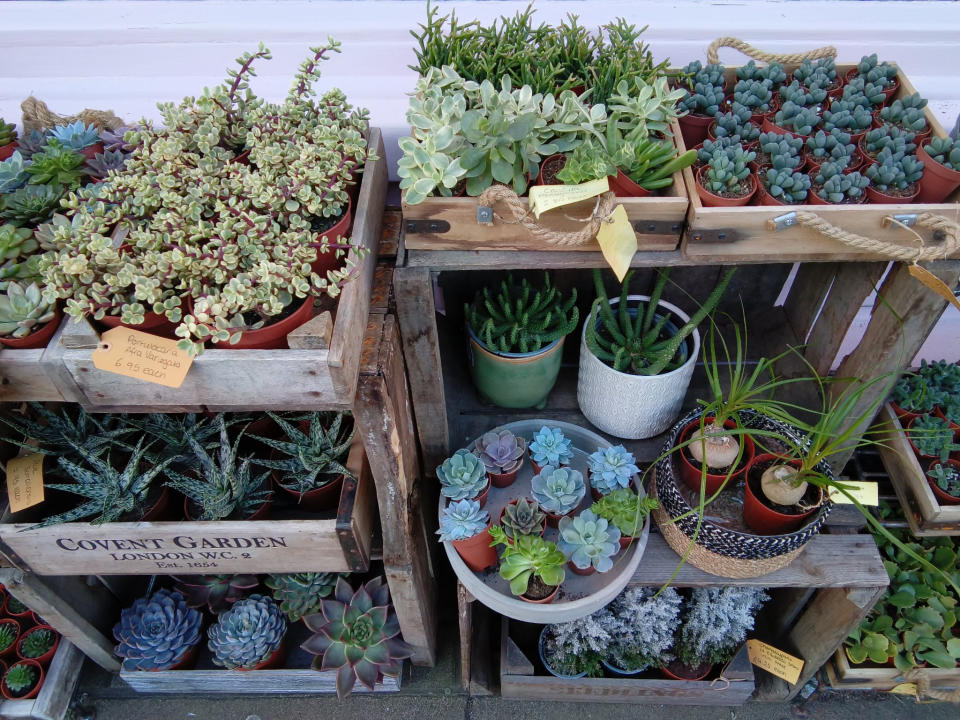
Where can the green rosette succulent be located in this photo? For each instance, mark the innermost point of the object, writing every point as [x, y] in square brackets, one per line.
[247, 634]
[20, 679]
[23, 310]
[589, 541]
[527, 556]
[36, 642]
[462, 476]
[301, 594]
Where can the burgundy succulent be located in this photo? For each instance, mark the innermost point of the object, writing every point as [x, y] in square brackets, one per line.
[217, 592]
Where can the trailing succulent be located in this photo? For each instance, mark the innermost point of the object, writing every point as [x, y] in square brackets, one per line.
[357, 635]
[589, 541]
[520, 319]
[247, 634]
[217, 593]
[550, 447]
[945, 151]
[500, 452]
[528, 556]
[461, 520]
[786, 186]
[558, 490]
[611, 468]
[462, 476]
[157, 631]
[933, 437]
[523, 517]
[894, 172]
[625, 509]
[301, 594]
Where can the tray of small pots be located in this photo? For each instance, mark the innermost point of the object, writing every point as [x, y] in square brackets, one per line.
[543, 521]
[857, 141]
[27, 645]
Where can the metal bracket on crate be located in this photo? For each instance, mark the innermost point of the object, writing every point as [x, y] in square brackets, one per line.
[656, 227]
[784, 221]
[910, 219]
[426, 227]
[484, 215]
[726, 235]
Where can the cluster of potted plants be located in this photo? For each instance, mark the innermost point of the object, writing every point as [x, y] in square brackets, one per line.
[130, 467]
[356, 633]
[587, 540]
[928, 404]
[27, 645]
[812, 136]
[37, 172]
[682, 634]
[514, 103]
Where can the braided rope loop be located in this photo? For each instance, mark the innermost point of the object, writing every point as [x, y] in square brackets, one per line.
[37, 116]
[757, 54]
[922, 681]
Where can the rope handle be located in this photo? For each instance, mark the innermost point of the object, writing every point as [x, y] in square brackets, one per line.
[37, 116]
[757, 54]
[922, 681]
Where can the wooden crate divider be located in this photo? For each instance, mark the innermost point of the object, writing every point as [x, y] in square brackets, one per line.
[287, 681]
[53, 700]
[844, 676]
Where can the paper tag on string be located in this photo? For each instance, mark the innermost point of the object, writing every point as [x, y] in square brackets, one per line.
[547, 197]
[934, 283]
[784, 666]
[25, 481]
[142, 356]
[865, 492]
[904, 689]
[618, 242]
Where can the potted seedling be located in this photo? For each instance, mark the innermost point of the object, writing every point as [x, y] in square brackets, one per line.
[832, 185]
[523, 517]
[944, 480]
[924, 391]
[737, 125]
[216, 593]
[932, 438]
[637, 354]
[704, 85]
[894, 179]
[465, 525]
[502, 454]
[589, 542]
[78, 137]
[819, 73]
[783, 187]
[641, 623]
[727, 181]
[249, 636]
[516, 341]
[772, 74]
[833, 146]
[549, 446]
[941, 169]
[9, 634]
[13, 176]
[812, 97]
[611, 469]
[907, 113]
[158, 632]
[706, 149]
[301, 594]
[756, 96]
[38, 643]
[31, 205]
[463, 477]
[771, 146]
[26, 319]
[23, 680]
[626, 510]
[558, 490]
[56, 166]
[864, 93]
[534, 567]
[644, 166]
[16, 609]
[8, 139]
[573, 649]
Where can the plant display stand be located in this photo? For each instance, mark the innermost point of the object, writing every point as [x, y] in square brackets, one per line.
[53, 700]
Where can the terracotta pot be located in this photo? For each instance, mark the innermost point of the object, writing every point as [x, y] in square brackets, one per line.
[916, 452]
[938, 411]
[7, 150]
[275, 660]
[152, 323]
[317, 500]
[813, 165]
[888, 92]
[36, 339]
[937, 181]
[476, 551]
[878, 197]
[693, 128]
[92, 151]
[538, 468]
[553, 520]
[942, 496]
[48, 655]
[577, 571]
[556, 162]
[159, 509]
[274, 335]
[11, 651]
[503, 480]
[697, 673]
[37, 620]
[769, 126]
[814, 199]
[691, 475]
[623, 186]
[36, 688]
[545, 601]
[329, 260]
[761, 518]
[625, 541]
[710, 200]
[25, 618]
[543, 527]
[906, 416]
[764, 198]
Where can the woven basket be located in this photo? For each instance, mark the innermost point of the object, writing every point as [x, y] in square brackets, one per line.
[719, 550]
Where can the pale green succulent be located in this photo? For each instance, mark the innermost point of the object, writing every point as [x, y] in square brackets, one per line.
[648, 107]
[23, 310]
[13, 173]
[16, 242]
[426, 166]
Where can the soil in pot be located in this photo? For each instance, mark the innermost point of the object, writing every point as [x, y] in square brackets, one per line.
[710, 199]
[937, 181]
[549, 169]
[768, 518]
[539, 592]
[678, 671]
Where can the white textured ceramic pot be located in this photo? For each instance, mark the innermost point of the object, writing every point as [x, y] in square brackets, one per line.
[633, 406]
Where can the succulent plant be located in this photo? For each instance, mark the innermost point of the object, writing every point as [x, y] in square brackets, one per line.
[558, 490]
[225, 487]
[736, 124]
[802, 96]
[157, 631]
[589, 541]
[893, 172]
[523, 517]
[933, 437]
[30, 205]
[625, 509]
[20, 679]
[703, 99]
[102, 163]
[462, 476]
[907, 113]
[217, 592]
[611, 468]
[797, 118]
[520, 319]
[848, 116]
[500, 452]
[16, 242]
[899, 141]
[835, 186]
[7, 635]
[698, 73]
[313, 459]
[643, 108]
[550, 447]
[173, 431]
[13, 173]
[23, 310]
[587, 162]
[727, 145]
[771, 145]
[75, 136]
[753, 94]
[116, 139]
[946, 477]
[860, 91]
[426, 166]
[15, 607]
[33, 142]
[301, 594]
[247, 634]
[945, 151]
[830, 145]
[55, 165]
[527, 556]
[8, 133]
[60, 432]
[822, 72]
[875, 71]
[357, 635]
[648, 161]
[782, 161]
[462, 519]
[36, 642]
[787, 186]
[728, 175]
[772, 73]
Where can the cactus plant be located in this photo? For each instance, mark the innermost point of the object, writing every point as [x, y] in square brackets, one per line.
[301, 594]
[625, 509]
[8, 133]
[736, 124]
[462, 519]
[906, 113]
[797, 118]
[932, 437]
[36, 642]
[945, 151]
[754, 95]
[835, 186]
[523, 517]
[23, 310]
[462, 476]
[848, 116]
[247, 634]
[13, 173]
[946, 477]
[500, 452]
[75, 136]
[55, 165]
[550, 447]
[786, 186]
[526, 557]
[729, 176]
[895, 175]
[558, 490]
[30, 205]
[20, 679]
[217, 593]
[157, 631]
[589, 541]
[611, 468]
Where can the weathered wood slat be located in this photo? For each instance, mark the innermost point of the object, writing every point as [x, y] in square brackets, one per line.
[23, 377]
[809, 290]
[259, 682]
[60, 679]
[845, 676]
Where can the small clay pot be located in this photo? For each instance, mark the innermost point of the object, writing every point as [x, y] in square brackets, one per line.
[11, 650]
[710, 200]
[482, 497]
[938, 411]
[476, 551]
[623, 186]
[48, 655]
[763, 519]
[153, 324]
[36, 687]
[943, 497]
[577, 571]
[549, 169]
[274, 335]
[937, 181]
[765, 198]
[8, 149]
[329, 260]
[878, 197]
[693, 128]
[36, 339]
[537, 468]
[691, 474]
[553, 519]
[25, 618]
[679, 671]
[544, 601]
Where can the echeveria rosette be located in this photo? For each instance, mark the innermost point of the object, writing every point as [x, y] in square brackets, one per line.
[462, 476]
[461, 520]
[611, 468]
[217, 592]
[248, 633]
[588, 540]
[500, 452]
[550, 447]
[357, 635]
[558, 490]
[300, 594]
[625, 509]
[157, 631]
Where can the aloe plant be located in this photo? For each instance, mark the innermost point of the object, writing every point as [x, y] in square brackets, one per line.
[60, 433]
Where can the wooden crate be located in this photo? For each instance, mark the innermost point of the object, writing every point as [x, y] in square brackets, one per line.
[318, 371]
[332, 542]
[844, 676]
[53, 700]
[521, 677]
[24, 377]
[441, 223]
[745, 229]
[924, 513]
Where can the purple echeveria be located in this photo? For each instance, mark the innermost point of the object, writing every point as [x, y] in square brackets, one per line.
[501, 452]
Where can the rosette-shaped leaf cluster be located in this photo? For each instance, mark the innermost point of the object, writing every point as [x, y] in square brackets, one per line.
[461, 520]
[558, 490]
[157, 631]
[462, 476]
[588, 540]
[75, 136]
[247, 634]
[550, 447]
[611, 468]
[500, 452]
[300, 594]
[217, 592]
[523, 517]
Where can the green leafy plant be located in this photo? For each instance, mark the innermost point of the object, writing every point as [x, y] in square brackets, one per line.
[217, 593]
[896, 173]
[56, 165]
[587, 162]
[874, 639]
[247, 634]
[625, 509]
[23, 310]
[728, 175]
[522, 517]
[802, 120]
[75, 136]
[589, 541]
[20, 679]
[932, 436]
[31, 205]
[8, 133]
[301, 594]
[650, 162]
[907, 113]
[787, 186]
[645, 108]
[526, 557]
[462, 476]
[13, 173]
[945, 151]
[946, 477]
[36, 642]
[427, 167]
[15, 242]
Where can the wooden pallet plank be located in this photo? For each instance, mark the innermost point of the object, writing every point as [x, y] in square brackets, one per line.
[810, 287]
[846, 676]
[236, 682]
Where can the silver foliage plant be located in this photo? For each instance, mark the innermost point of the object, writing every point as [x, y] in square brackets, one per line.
[716, 623]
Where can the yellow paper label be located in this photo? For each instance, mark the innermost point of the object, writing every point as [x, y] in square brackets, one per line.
[25, 481]
[934, 283]
[777, 662]
[618, 242]
[142, 356]
[548, 197]
[904, 689]
[866, 493]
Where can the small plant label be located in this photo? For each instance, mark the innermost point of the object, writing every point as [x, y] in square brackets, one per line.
[777, 662]
[934, 283]
[142, 356]
[25, 481]
[865, 493]
[617, 241]
[548, 197]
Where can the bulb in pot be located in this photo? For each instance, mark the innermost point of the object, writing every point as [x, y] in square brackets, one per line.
[777, 483]
[718, 449]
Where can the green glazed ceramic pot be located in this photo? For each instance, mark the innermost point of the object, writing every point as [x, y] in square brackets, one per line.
[514, 380]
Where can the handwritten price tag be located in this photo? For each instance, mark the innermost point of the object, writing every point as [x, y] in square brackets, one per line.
[547, 197]
[618, 242]
[142, 356]
[866, 493]
[775, 661]
[25, 481]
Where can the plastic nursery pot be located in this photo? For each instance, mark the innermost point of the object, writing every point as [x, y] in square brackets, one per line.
[476, 551]
[11, 650]
[691, 474]
[543, 527]
[272, 336]
[334, 234]
[549, 169]
[577, 571]
[678, 671]
[619, 672]
[915, 450]
[25, 618]
[36, 686]
[942, 496]
[316, 500]
[7, 150]
[158, 511]
[878, 197]
[759, 516]
[546, 663]
[693, 128]
[553, 519]
[275, 660]
[905, 416]
[92, 151]
[152, 323]
[504, 480]
[710, 200]
[937, 181]
[623, 186]
[764, 198]
[542, 601]
[514, 380]
[36, 339]
[48, 655]
[814, 199]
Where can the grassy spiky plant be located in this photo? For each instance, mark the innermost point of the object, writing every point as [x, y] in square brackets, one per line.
[61, 433]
